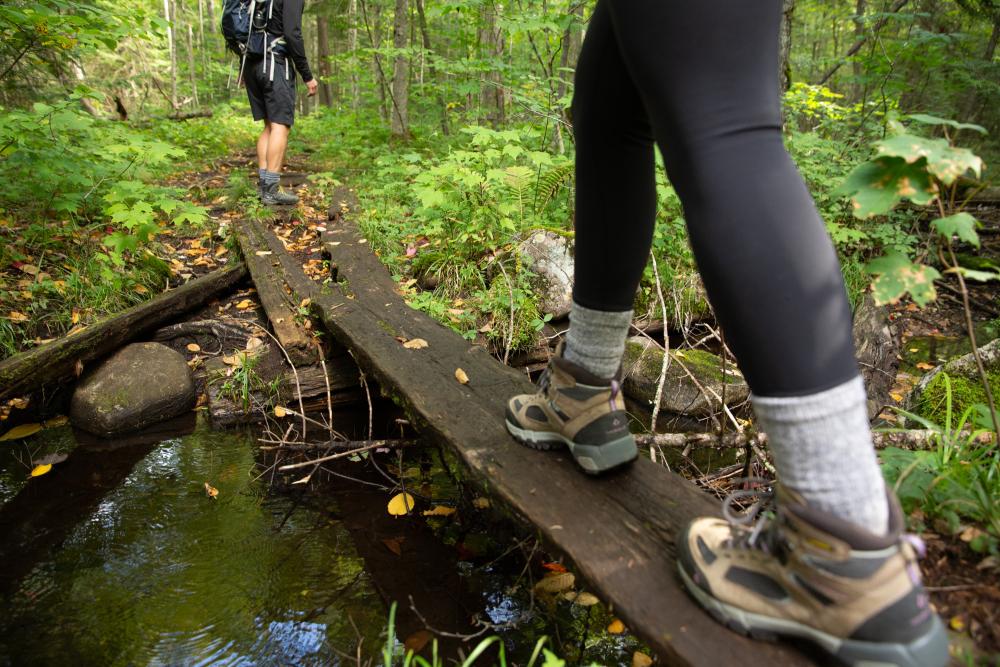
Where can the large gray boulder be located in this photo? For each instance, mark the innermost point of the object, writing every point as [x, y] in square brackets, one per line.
[141, 384]
[698, 397]
[548, 256]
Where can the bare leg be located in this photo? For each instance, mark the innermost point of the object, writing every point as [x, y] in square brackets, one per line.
[262, 142]
[277, 142]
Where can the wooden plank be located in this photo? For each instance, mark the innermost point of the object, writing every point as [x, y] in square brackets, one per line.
[55, 361]
[618, 530]
[269, 279]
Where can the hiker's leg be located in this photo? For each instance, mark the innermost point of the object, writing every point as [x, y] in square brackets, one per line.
[262, 142]
[276, 144]
[615, 200]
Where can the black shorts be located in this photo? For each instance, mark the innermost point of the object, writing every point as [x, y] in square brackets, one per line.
[272, 97]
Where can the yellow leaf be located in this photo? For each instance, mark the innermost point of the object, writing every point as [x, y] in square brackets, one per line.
[461, 376]
[415, 344]
[15, 316]
[481, 503]
[556, 582]
[585, 599]
[22, 431]
[75, 317]
[279, 411]
[211, 491]
[221, 250]
[140, 289]
[30, 269]
[305, 303]
[38, 471]
[193, 347]
[640, 659]
[616, 627]
[400, 504]
[244, 304]
[924, 366]
[957, 624]
[896, 397]
[439, 510]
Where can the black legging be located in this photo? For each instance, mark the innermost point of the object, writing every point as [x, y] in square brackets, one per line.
[701, 78]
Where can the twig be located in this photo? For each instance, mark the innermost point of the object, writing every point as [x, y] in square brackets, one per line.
[295, 374]
[510, 326]
[666, 350]
[332, 457]
[339, 445]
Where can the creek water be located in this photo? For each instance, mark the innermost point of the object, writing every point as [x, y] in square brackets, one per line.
[118, 556]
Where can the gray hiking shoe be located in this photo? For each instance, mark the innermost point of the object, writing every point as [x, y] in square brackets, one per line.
[804, 573]
[577, 409]
[272, 195]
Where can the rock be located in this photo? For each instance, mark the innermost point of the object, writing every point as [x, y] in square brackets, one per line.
[642, 365]
[876, 343]
[141, 384]
[548, 256]
[966, 384]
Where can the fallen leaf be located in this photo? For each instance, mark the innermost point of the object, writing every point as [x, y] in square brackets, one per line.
[957, 623]
[221, 250]
[439, 510]
[417, 641]
[394, 545]
[461, 376]
[896, 397]
[193, 347]
[22, 431]
[254, 343]
[211, 491]
[640, 659]
[244, 304]
[400, 504]
[585, 599]
[415, 344]
[555, 567]
[970, 534]
[140, 289]
[305, 303]
[481, 503]
[280, 411]
[924, 366]
[30, 269]
[555, 583]
[78, 368]
[15, 316]
[19, 403]
[58, 420]
[38, 471]
[616, 627]
[263, 253]
[75, 317]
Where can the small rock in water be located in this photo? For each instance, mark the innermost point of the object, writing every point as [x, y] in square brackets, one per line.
[141, 384]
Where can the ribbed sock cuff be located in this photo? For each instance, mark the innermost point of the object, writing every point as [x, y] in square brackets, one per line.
[269, 177]
[596, 339]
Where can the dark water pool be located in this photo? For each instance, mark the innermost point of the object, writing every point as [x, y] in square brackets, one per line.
[118, 556]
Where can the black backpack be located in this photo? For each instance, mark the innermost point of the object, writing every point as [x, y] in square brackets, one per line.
[244, 26]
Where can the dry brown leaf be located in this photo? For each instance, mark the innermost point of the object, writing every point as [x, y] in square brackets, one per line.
[556, 582]
[640, 659]
[394, 545]
[417, 641]
[254, 343]
[439, 510]
[415, 344]
[15, 316]
[461, 376]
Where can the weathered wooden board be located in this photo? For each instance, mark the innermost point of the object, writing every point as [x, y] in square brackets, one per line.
[618, 531]
[56, 360]
[269, 278]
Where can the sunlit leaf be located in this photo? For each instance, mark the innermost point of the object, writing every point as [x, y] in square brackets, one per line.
[461, 376]
[961, 225]
[401, 504]
[928, 119]
[211, 491]
[640, 659]
[897, 276]
[40, 470]
[279, 411]
[22, 431]
[945, 161]
[616, 627]
[193, 347]
[878, 185]
[439, 510]
[415, 344]
[981, 276]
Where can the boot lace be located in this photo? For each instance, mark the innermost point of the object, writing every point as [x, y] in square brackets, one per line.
[755, 527]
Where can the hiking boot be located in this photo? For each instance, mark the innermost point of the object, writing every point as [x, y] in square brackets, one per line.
[272, 195]
[574, 407]
[805, 573]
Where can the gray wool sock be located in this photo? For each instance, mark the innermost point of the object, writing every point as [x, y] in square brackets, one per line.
[270, 177]
[822, 447]
[596, 339]
[260, 174]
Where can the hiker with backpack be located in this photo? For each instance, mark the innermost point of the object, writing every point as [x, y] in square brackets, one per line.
[823, 555]
[267, 35]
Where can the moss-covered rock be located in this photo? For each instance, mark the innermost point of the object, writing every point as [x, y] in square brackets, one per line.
[928, 398]
[698, 396]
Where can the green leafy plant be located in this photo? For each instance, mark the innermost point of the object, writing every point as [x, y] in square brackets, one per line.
[925, 171]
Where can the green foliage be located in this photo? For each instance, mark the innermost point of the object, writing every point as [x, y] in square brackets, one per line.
[956, 482]
[955, 394]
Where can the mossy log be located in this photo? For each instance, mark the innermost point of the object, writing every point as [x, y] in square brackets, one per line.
[58, 360]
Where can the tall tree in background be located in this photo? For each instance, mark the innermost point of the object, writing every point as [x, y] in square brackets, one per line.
[400, 71]
[323, 59]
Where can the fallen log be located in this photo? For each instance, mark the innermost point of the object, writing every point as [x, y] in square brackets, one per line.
[188, 115]
[617, 530]
[58, 360]
[269, 278]
[908, 439]
[221, 330]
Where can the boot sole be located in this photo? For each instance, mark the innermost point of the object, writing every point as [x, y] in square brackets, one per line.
[593, 459]
[929, 650]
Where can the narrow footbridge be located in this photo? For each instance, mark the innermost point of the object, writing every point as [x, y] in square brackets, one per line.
[617, 531]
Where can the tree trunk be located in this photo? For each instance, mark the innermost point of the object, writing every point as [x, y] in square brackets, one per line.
[352, 46]
[572, 41]
[168, 5]
[323, 60]
[859, 34]
[442, 102]
[491, 97]
[400, 72]
[191, 72]
[785, 44]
